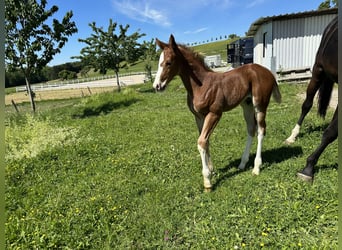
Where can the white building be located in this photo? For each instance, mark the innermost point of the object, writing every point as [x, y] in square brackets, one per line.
[213, 61]
[287, 44]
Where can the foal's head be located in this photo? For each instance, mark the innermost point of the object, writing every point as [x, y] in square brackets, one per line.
[168, 65]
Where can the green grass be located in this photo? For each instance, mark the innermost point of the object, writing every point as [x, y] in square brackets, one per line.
[122, 171]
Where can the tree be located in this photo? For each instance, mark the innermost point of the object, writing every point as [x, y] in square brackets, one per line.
[30, 43]
[233, 36]
[107, 50]
[84, 71]
[67, 74]
[149, 56]
[327, 4]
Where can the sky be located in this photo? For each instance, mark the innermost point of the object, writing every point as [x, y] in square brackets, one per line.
[189, 21]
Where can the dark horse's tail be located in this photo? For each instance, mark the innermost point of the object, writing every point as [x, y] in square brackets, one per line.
[324, 95]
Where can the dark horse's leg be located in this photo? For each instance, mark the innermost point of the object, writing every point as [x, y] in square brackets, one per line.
[329, 135]
[318, 77]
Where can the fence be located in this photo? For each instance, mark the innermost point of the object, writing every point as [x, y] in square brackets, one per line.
[80, 83]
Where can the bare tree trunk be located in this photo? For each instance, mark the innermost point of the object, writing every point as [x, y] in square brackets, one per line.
[117, 81]
[148, 70]
[31, 95]
[151, 77]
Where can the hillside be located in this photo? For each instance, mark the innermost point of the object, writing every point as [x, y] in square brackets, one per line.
[214, 48]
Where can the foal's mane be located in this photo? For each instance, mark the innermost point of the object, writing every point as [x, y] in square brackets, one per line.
[192, 56]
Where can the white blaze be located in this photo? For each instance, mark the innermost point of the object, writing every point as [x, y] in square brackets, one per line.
[159, 72]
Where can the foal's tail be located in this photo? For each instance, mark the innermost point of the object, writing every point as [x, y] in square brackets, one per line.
[324, 95]
[276, 93]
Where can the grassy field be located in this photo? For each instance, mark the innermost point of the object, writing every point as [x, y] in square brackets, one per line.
[122, 171]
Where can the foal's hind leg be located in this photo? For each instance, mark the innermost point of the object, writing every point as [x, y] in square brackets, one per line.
[249, 115]
[315, 82]
[260, 117]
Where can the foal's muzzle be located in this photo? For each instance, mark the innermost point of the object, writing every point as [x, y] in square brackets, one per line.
[160, 87]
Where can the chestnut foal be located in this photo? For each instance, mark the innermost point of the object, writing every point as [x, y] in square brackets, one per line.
[212, 93]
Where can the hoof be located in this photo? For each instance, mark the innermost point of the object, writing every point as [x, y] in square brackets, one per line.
[288, 142]
[255, 171]
[207, 189]
[241, 166]
[304, 177]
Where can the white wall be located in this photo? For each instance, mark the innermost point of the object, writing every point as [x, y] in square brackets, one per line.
[263, 52]
[293, 43]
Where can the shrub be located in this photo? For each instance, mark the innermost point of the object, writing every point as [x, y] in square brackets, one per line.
[67, 75]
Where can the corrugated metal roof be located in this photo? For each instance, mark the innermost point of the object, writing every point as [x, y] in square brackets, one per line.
[255, 26]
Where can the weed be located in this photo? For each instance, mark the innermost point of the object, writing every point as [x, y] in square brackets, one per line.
[33, 136]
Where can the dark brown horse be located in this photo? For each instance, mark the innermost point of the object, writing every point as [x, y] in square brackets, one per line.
[324, 73]
[324, 76]
[211, 93]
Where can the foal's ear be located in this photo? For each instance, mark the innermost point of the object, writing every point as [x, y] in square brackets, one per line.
[173, 43]
[161, 44]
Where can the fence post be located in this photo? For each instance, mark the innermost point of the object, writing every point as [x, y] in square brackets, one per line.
[15, 105]
[89, 90]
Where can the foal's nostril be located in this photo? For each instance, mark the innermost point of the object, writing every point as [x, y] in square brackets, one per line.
[159, 87]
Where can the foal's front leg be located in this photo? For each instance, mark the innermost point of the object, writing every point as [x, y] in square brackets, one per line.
[208, 125]
[200, 122]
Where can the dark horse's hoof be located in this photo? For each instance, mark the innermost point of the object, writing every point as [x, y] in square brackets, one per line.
[304, 177]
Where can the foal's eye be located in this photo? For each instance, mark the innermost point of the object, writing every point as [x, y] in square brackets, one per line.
[168, 63]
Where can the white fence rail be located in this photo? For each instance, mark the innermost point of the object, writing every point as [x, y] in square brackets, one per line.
[82, 83]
